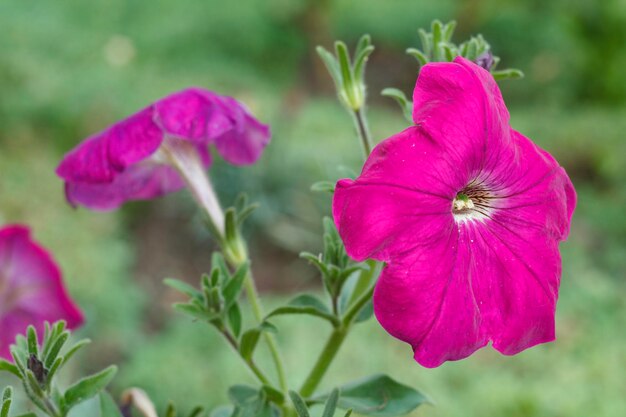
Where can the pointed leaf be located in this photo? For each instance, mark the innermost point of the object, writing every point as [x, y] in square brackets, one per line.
[9, 367]
[331, 403]
[299, 404]
[379, 396]
[222, 411]
[507, 74]
[232, 288]
[249, 340]
[234, 319]
[419, 55]
[402, 100]
[183, 287]
[306, 304]
[74, 349]
[33, 347]
[108, 407]
[196, 411]
[57, 345]
[89, 387]
[448, 30]
[331, 65]
[323, 186]
[366, 312]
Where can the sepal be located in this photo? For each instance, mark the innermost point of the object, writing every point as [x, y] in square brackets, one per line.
[348, 75]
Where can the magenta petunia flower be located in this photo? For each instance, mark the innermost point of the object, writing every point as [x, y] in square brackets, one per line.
[31, 288]
[468, 215]
[161, 148]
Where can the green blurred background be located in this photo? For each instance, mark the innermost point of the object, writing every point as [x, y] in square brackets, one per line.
[70, 68]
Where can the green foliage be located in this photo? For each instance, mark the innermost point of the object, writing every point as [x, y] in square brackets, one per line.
[378, 396]
[37, 363]
[348, 75]
[306, 304]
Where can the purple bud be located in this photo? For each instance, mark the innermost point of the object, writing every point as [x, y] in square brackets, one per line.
[485, 60]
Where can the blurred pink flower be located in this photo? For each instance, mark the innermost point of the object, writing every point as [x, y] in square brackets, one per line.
[468, 214]
[160, 148]
[31, 288]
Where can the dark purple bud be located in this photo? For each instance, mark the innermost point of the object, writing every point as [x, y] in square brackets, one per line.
[485, 60]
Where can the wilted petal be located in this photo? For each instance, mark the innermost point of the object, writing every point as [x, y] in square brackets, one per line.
[31, 288]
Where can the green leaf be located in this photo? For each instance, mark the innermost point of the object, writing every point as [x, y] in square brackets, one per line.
[5, 404]
[359, 63]
[510, 74]
[89, 387]
[194, 311]
[448, 30]
[217, 261]
[245, 213]
[183, 287]
[108, 407]
[222, 411]
[53, 369]
[331, 65]
[379, 396]
[248, 343]
[74, 349]
[344, 64]
[366, 312]
[405, 104]
[33, 347]
[299, 404]
[196, 411]
[9, 367]
[27, 415]
[427, 41]
[246, 398]
[234, 319]
[232, 288]
[272, 394]
[331, 403]
[170, 411]
[230, 228]
[57, 345]
[323, 186]
[306, 304]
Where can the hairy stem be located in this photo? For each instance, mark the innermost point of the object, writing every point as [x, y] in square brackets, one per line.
[360, 123]
[249, 362]
[257, 311]
[323, 361]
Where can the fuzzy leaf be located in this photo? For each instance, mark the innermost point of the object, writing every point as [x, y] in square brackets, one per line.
[89, 387]
[323, 186]
[9, 367]
[108, 407]
[405, 104]
[299, 404]
[306, 304]
[234, 319]
[232, 288]
[248, 343]
[378, 396]
[183, 287]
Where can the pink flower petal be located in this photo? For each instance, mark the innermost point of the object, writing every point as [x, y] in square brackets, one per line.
[468, 213]
[31, 288]
[243, 144]
[120, 163]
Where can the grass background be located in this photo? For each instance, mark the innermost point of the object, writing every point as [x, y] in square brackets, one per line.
[68, 69]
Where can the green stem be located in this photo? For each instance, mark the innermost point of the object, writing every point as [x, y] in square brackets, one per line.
[257, 311]
[335, 341]
[360, 123]
[251, 365]
[323, 362]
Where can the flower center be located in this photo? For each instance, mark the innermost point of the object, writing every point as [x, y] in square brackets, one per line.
[472, 203]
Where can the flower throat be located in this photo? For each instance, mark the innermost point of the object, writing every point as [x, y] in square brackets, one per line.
[472, 203]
